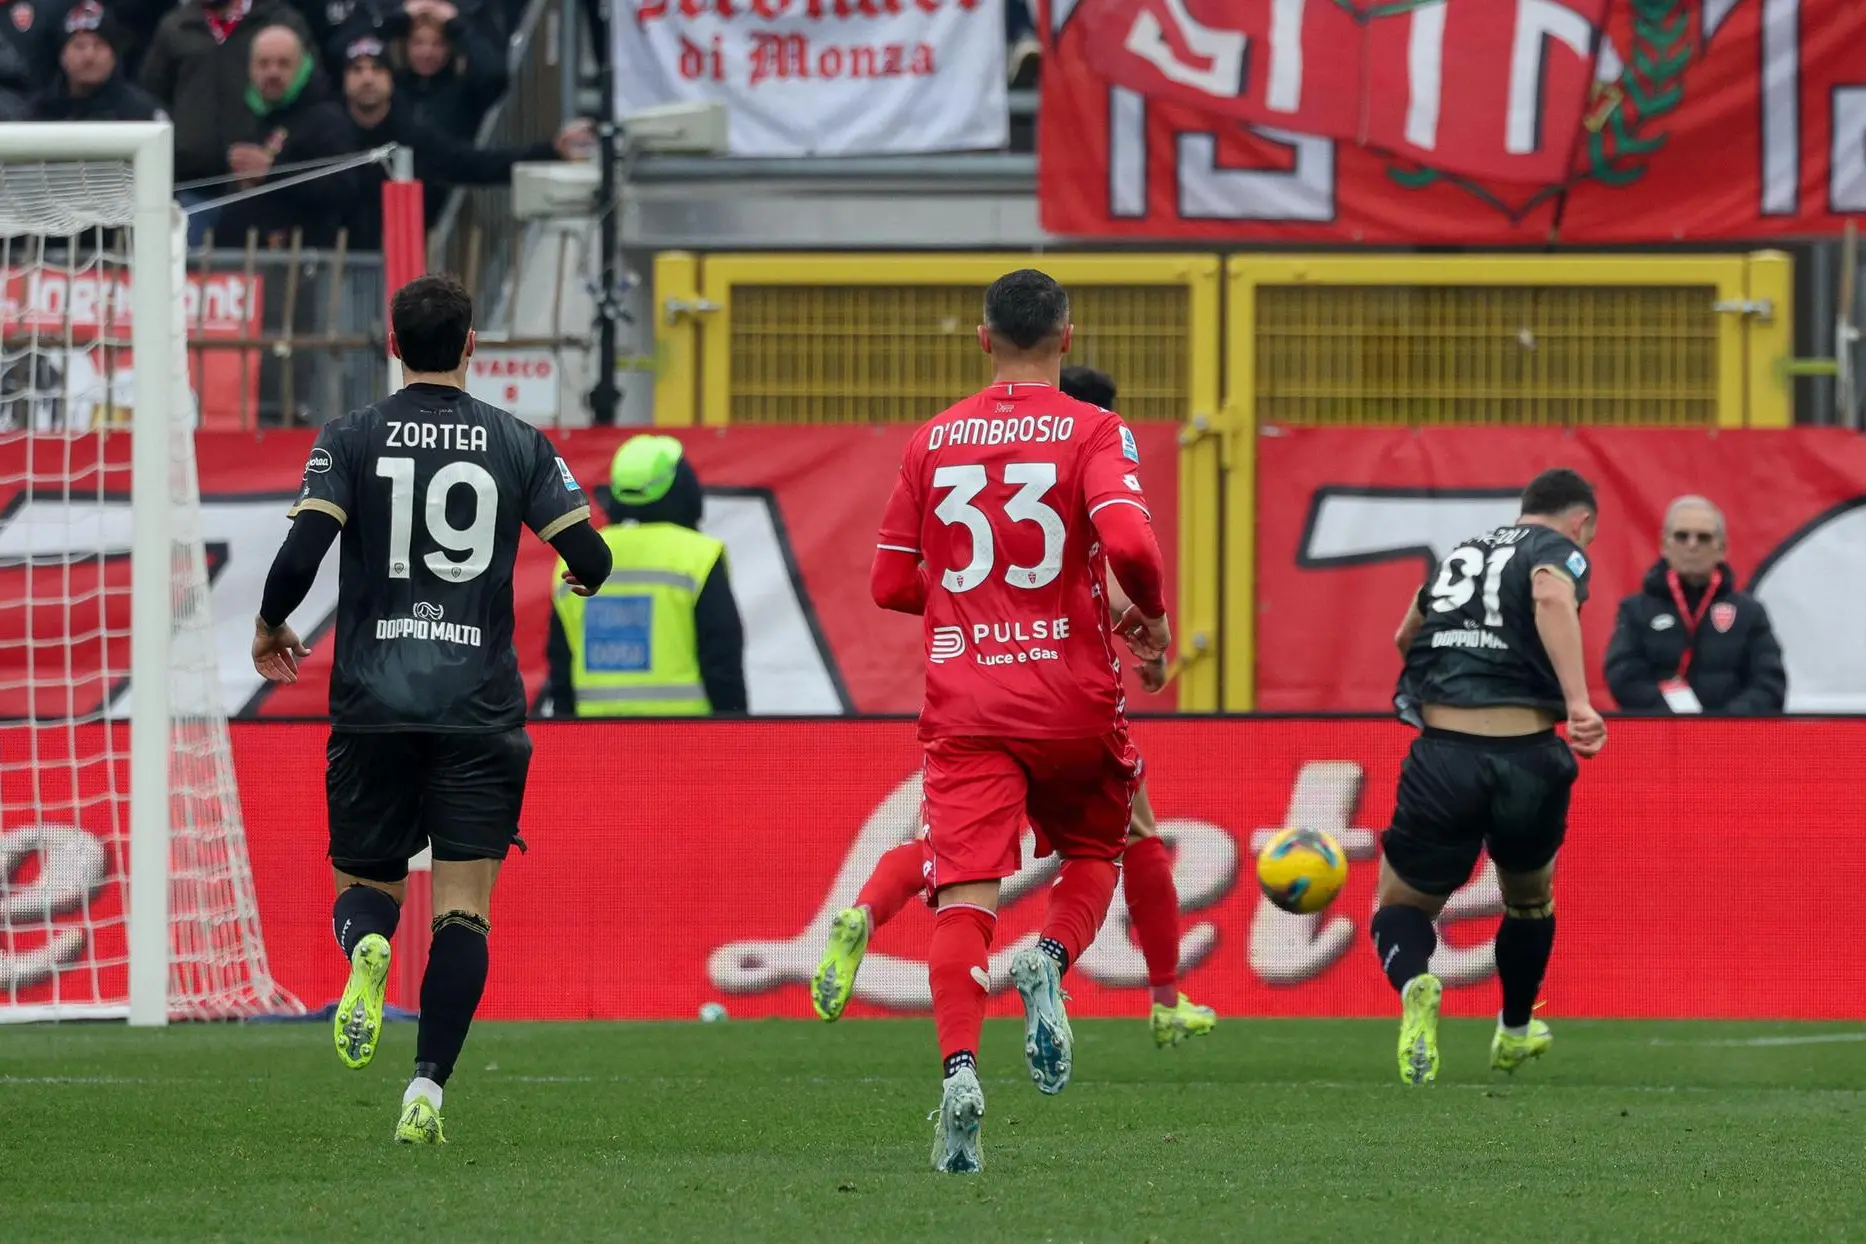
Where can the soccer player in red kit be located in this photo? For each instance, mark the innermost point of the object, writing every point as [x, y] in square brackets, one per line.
[1010, 511]
[1146, 869]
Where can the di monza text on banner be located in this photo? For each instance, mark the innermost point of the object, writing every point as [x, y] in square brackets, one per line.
[823, 77]
[1467, 122]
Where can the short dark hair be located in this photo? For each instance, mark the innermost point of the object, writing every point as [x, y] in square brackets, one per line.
[431, 316]
[1556, 491]
[1085, 384]
[1026, 307]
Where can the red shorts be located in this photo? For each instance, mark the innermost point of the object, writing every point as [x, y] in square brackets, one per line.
[1078, 794]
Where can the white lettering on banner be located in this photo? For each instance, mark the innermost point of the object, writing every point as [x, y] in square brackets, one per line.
[49, 301]
[824, 77]
[522, 381]
[1204, 870]
[1781, 107]
[1350, 524]
[1305, 192]
[1814, 587]
[1537, 21]
[1287, 949]
[1222, 51]
[73, 865]
[1284, 949]
[787, 669]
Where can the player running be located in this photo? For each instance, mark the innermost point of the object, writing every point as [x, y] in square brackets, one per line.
[428, 745]
[1147, 869]
[1492, 646]
[1009, 511]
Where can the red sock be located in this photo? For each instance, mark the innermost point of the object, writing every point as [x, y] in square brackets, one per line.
[1078, 904]
[957, 965]
[1153, 907]
[897, 878]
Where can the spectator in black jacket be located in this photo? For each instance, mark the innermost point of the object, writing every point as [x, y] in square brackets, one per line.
[448, 69]
[199, 66]
[285, 87]
[90, 86]
[369, 117]
[1689, 641]
[26, 54]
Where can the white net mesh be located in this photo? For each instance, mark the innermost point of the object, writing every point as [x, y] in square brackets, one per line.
[68, 384]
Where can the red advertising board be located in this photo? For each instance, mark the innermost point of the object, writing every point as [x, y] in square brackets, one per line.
[712, 870]
[1348, 520]
[1467, 123]
[797, 508]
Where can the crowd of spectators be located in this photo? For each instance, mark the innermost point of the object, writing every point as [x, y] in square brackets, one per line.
[258, 88]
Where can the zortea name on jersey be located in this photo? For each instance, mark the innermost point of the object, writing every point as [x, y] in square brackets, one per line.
[422, 434]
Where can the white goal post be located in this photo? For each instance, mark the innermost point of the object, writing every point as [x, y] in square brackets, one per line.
[87, 209]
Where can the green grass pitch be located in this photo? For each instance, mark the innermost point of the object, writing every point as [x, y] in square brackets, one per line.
[777, 1131]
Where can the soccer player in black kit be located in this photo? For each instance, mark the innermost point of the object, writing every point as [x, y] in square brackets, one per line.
[1492, 645]
[427, 747]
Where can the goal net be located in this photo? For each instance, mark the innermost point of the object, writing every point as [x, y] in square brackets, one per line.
[125, 889]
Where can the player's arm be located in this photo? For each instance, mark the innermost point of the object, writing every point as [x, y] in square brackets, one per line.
[1152, 673]
[1410, 624]
[557, 510]
[1558, 623]
[898, 578]
[318, 514]
[1118, 509]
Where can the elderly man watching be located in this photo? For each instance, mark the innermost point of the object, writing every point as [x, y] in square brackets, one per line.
[1688, 641]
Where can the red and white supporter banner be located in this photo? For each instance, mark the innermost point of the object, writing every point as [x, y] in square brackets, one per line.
[796, 507]
[1348, 520]
[761, 831]
[70, 319]
[1462, 122]
[824, 77]
[1372, 74]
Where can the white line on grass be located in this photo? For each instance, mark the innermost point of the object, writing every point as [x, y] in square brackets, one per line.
[1813, 1038]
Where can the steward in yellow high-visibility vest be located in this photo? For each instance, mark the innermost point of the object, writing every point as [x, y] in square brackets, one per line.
[662, 638]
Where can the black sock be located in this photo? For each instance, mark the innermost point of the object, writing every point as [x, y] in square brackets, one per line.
[361, 910]
[1523, 946]
[958, 1059]
[450, 991]
[1404, 939]
[1054, 949]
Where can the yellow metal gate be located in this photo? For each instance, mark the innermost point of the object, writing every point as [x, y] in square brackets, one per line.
[1298, 340]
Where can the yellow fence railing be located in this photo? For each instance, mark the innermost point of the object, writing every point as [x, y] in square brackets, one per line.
[1227, 347]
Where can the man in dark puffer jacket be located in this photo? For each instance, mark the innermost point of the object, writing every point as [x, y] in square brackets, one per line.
[1689, 641]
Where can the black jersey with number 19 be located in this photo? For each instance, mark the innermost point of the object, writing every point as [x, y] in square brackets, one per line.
[1479, 646]
[432, 487]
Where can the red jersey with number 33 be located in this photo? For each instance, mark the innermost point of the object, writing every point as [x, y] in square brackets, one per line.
[995, 496]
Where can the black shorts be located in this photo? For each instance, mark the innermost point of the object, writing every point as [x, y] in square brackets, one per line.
[392, 794]
[1462, 793]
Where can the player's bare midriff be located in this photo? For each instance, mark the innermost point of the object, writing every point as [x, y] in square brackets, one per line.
[1495, 721]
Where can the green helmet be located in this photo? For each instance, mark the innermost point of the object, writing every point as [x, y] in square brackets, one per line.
[643, 469]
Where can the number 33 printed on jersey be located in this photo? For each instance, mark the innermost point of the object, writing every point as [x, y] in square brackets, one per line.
[1034, 480]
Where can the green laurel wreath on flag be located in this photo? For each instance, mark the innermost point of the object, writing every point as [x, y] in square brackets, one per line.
[1623, 120]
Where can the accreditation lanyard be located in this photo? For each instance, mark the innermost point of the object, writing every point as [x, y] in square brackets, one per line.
[1689, 618]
